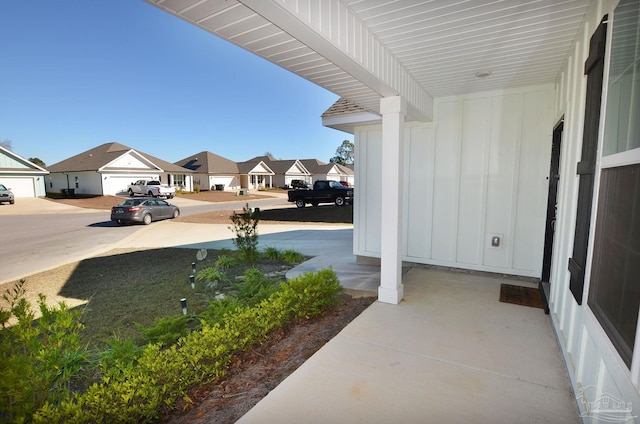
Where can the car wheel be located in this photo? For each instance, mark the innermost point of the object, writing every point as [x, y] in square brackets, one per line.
[314, 204]
[300, 203]
[146, 219]
[11, 202]
[176, 213]
[120, 222]
[339, 201]
[130, 193]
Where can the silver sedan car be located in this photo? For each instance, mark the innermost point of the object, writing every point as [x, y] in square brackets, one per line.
[143, 209]
[6, 195]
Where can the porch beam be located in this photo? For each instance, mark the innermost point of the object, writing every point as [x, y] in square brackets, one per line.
[393, 110]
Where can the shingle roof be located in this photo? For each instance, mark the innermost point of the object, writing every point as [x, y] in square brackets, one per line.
[316, 166]
[209, 163]
[343, 106]
[96, 158]
[278, 166]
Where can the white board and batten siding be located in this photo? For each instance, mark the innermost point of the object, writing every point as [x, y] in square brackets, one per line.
[478, 171]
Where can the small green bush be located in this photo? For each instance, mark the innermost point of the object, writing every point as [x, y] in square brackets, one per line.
[217, 310]
[254, 287]
[212, 275]
[272, 254]
[119, 355]
[166, 330]
[292, 257]
[226, 261]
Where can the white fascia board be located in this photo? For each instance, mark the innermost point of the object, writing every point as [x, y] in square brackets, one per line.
[348, 122]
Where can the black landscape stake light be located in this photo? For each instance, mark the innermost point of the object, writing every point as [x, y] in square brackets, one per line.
[192, 280]
[183, 303]
[193, 268]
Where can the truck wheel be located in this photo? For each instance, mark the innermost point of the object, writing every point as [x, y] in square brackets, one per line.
[339, 201]
[151, 194]
[130, 193]
[300, 203]
[146, 219]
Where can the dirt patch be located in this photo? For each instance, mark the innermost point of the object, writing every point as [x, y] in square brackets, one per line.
[258, 371]
[106, 202]
[326, 214]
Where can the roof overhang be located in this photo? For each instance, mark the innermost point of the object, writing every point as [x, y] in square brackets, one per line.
[365, 50]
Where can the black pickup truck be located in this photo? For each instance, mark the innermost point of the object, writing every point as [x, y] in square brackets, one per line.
[323, 191]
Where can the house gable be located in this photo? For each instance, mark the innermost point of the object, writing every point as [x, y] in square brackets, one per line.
[297, 168]
[131, 160]
[11, 162]
[261, 168]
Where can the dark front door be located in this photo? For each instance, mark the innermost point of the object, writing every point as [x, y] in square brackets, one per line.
[552, 205]
[552, 209]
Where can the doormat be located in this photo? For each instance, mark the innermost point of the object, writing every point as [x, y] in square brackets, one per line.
[526, 296]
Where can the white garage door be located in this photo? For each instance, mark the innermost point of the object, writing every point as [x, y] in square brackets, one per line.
[20, 186]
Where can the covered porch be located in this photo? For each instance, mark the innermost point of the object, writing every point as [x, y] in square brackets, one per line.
[450, 352]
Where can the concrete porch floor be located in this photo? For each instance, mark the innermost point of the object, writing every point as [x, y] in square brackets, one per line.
[451, 352]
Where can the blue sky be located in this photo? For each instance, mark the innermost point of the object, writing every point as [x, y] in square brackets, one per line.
[75, 74]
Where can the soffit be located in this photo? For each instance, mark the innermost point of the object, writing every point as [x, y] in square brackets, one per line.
[439, 45]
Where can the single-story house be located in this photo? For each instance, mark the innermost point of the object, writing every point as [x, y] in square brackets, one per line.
[211, 170]
[328, 171]
[255, 174]
[109, 169]
[285, 170]
[24, 178]
[496, 137]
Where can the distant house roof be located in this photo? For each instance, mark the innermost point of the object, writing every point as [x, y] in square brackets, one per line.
[12, 163]
[279, 166]
[316, 166]
[209, 163]
[97, 158]
[255, 166]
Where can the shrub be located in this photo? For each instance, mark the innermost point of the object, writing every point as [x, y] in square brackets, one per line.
[292, 257]
[245, 227]
[119, 355]
[39, 360]
[217, 310]
[272, 254]
[254, 287]
[166, 330]
[226, 261]
[213, 276]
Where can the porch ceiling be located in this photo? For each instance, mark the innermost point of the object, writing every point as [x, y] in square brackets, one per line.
[363, 50]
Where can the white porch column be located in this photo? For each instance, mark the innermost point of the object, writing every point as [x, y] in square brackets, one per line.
[393, 110]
